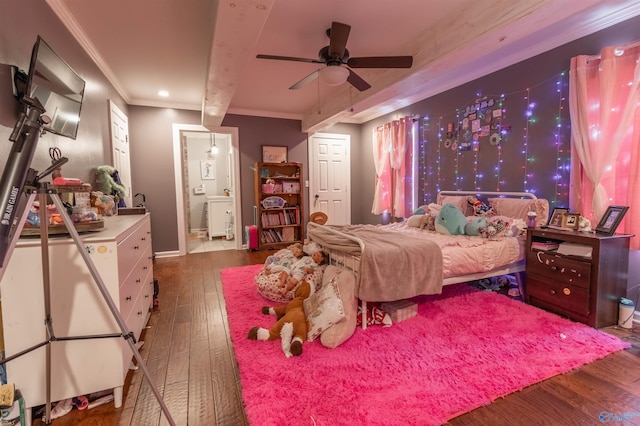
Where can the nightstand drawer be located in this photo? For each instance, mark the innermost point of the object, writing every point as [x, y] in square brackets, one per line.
[568, 297]
[559, 268]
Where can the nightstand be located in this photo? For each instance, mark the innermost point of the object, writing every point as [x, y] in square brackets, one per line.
[586, 289]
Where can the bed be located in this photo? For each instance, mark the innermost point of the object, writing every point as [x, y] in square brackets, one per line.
[395, 261]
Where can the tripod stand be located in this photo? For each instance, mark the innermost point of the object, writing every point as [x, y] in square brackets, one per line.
[29, 137]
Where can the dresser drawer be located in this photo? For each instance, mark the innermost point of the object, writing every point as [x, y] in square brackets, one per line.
[131, 249]
[570, 298]
[559, 268]
[135, 283]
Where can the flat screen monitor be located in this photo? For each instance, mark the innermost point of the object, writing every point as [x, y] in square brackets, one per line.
[58, 88]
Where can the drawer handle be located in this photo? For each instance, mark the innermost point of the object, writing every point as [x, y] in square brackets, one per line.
[144, 238]
[128, 298]
[144, 268]
[566, 291]
[138, 280]
[136, 247]
[552, 291]
[139, 312]
[146, 296]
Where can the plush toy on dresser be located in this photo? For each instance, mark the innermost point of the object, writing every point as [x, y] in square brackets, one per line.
[291, 326]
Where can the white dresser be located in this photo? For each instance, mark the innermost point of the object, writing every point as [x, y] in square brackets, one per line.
[123, 257]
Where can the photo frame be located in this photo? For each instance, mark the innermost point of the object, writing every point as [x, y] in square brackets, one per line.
[611, 219]
[555, 220]
[207, 170]
[570, 220]
[274, 154]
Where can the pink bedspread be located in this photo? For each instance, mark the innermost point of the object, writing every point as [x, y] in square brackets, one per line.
[465, 254]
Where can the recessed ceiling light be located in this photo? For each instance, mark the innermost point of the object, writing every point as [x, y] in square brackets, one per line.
[163, 93]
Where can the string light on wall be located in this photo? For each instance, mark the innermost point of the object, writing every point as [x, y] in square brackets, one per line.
[439, 153]
[515, 127]
[525, 144]
[425, 165]
[559, 178]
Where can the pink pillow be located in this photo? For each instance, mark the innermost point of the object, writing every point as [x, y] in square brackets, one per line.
[518, 208]
[341, 331]
[460, 201]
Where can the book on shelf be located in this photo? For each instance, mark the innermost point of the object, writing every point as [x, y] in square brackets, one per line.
[574, 249]
[544, 245]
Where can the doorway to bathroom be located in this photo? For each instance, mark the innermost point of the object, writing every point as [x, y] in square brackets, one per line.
[208, 195]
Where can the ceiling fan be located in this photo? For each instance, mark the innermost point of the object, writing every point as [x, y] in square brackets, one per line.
[338, 63]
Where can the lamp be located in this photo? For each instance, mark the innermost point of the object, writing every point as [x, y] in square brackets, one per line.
[214, 148]
[334, 75]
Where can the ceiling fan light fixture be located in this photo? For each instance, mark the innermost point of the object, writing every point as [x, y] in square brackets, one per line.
[334, 75]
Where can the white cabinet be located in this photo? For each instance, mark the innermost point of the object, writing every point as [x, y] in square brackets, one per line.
[219, 212]
[123, 257]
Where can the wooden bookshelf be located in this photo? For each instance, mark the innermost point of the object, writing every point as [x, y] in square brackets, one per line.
[279, 202]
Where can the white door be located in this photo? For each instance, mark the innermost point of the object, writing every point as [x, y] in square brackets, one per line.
[120, 148]
[330, 177]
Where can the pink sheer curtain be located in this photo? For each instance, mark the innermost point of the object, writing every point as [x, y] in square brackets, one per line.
[382, 194]
[604, 98]
[390, 147]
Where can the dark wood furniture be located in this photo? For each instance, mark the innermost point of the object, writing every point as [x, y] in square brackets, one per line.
[585, 289]
[279, 226]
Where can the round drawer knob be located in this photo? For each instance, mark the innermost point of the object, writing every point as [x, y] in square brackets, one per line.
[566, 291]
[552, 291]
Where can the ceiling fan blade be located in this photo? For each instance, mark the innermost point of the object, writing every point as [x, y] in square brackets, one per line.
[289, 58]
[308, 79]
[357, 81]
[338, 39]
[381, 62]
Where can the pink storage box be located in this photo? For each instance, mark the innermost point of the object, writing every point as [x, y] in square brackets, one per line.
[400, 310]
[268, 188]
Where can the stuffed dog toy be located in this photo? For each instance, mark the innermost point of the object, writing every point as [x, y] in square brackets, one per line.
[291, 326]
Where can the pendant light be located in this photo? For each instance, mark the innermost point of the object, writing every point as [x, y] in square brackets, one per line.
[214, 148]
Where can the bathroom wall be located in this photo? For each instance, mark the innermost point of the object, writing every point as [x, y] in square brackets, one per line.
[211, 173]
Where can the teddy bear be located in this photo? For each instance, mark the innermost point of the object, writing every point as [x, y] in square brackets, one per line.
[291, 326]
[584, 224]
[424, 221]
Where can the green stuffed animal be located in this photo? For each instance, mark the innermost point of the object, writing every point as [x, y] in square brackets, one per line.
[475, 225]
[106, 184]
[450, 221]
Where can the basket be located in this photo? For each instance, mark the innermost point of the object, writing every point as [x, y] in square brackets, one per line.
[268, 188]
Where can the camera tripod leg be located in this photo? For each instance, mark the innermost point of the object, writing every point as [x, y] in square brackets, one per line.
[128, 336]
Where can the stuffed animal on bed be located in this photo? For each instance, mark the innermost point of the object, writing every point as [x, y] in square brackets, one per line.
[474, 225]
[422, 221]
[450, 221]
[291, 326]
[479, 208]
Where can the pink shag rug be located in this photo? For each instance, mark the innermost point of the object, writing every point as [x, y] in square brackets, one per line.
[464, 349]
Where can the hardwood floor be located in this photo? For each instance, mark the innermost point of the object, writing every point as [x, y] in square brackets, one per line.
[189, 355]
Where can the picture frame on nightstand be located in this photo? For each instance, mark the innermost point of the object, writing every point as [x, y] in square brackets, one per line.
[611, 219]
[555, 220]
[570, 220]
